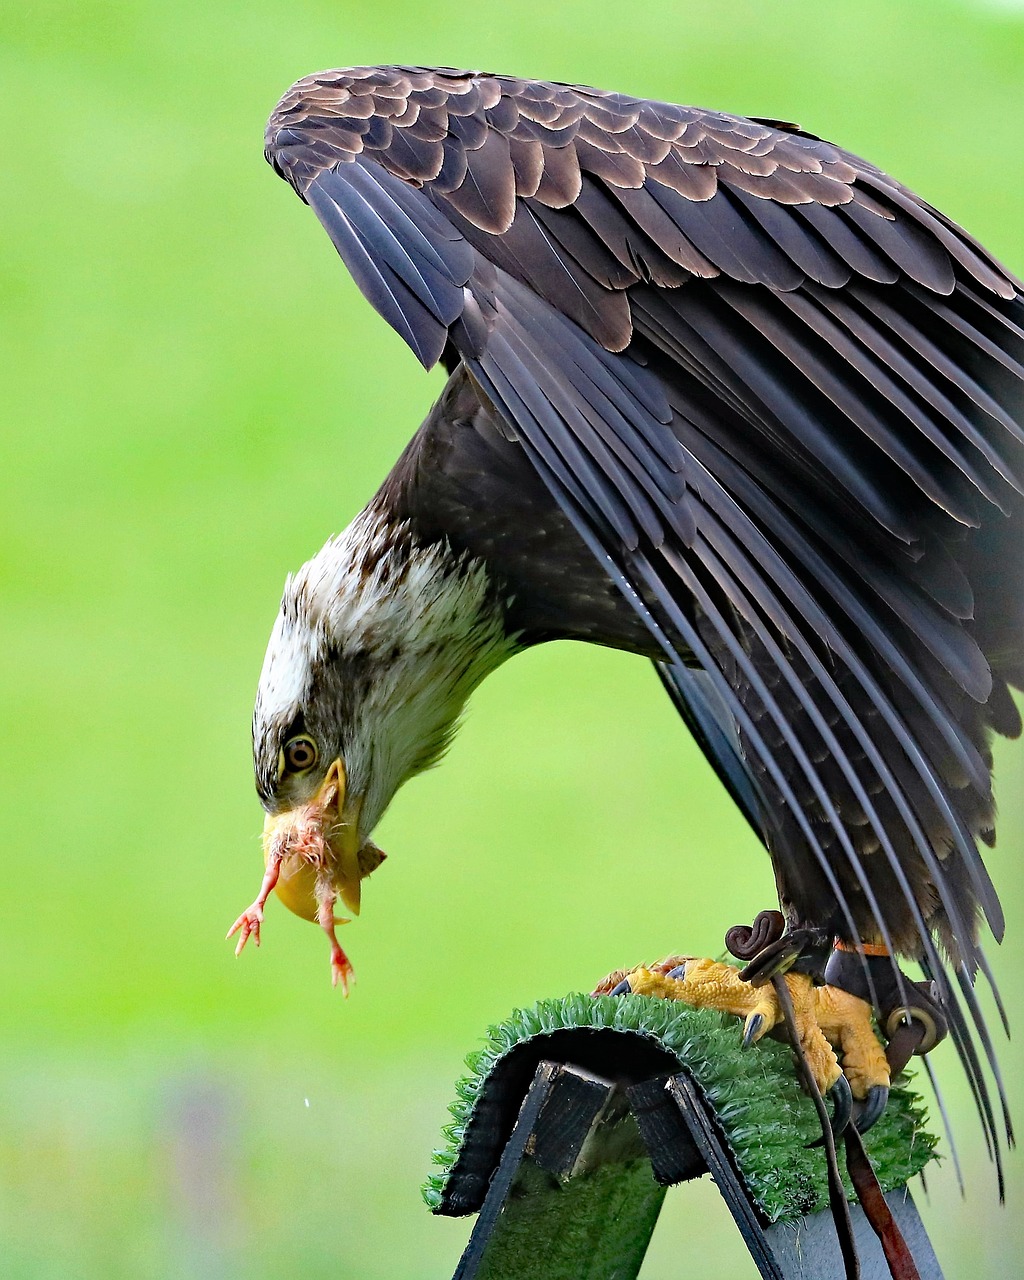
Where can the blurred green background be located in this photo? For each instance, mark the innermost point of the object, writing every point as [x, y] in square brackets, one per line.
[194, 396]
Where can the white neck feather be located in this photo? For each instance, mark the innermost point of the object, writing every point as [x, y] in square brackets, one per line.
[425, 628]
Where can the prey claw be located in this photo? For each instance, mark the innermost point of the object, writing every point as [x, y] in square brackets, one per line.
[752, 1029]
[342, 975]
[623, 989]
[247, 926]
[870, 1110]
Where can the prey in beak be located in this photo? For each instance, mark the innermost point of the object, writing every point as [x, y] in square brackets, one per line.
[313, 858]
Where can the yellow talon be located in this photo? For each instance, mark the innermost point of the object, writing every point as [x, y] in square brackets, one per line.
[827, 1018]
[846, 1020]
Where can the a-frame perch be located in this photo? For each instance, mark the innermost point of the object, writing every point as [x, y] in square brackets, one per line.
[579, 1113]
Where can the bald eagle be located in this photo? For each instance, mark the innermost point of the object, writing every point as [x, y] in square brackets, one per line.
[721, 394]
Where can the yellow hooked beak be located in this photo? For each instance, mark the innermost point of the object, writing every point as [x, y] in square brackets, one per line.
[318, 842]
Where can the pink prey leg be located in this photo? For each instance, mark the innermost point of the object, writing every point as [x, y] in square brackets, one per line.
[342, 973]
[248, 923]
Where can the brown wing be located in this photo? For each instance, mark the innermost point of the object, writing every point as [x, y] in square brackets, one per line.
[778, 396]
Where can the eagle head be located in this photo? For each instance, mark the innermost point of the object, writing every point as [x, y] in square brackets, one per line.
[378, 643]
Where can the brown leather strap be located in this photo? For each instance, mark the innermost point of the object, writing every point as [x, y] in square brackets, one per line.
[869, 1193]
[836, 1191]
[903, 1045]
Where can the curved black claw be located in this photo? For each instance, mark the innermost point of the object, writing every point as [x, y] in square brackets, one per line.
[842, 1109]
[842, 1105]
[870, 1110]
[623, 989]
[752, 1028]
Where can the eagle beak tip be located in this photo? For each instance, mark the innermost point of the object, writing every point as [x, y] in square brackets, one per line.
[350, 896]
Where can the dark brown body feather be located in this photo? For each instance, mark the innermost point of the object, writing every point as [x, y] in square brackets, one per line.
[731, 397]
[462, 479]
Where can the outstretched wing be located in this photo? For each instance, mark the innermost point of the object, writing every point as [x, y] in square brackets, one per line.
[779, 397]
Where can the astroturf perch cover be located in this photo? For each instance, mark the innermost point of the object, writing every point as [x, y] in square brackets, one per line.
[767, 1121]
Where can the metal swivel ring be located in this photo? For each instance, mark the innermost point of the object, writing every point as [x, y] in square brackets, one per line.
[903, 1016]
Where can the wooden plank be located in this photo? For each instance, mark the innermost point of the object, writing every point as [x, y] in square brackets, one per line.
[734, 1191]
[501, 1183]
[675, 1157]
[807, 1249]
[574, 1197]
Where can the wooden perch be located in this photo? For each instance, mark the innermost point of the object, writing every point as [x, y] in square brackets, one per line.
[580, 1112]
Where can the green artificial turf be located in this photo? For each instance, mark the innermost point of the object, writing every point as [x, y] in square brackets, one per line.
[766, 1119]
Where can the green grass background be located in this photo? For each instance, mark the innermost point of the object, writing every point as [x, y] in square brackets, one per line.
[193, 397]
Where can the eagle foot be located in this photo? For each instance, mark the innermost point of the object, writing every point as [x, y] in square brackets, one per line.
[909, 1013]
[828, 1020]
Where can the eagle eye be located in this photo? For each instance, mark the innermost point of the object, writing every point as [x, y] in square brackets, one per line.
[299, 754]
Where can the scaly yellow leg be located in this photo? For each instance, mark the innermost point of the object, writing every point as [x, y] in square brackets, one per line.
[846, 1021]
